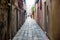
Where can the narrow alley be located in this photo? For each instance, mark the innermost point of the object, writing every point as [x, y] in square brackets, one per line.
[29, 19]
[30, 31]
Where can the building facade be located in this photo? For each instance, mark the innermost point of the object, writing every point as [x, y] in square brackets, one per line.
[4, 20]
[21, 14]
[11, 16]
[38, 15]
[53, 11]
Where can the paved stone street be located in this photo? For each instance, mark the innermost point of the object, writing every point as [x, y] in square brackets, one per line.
[30, 30]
